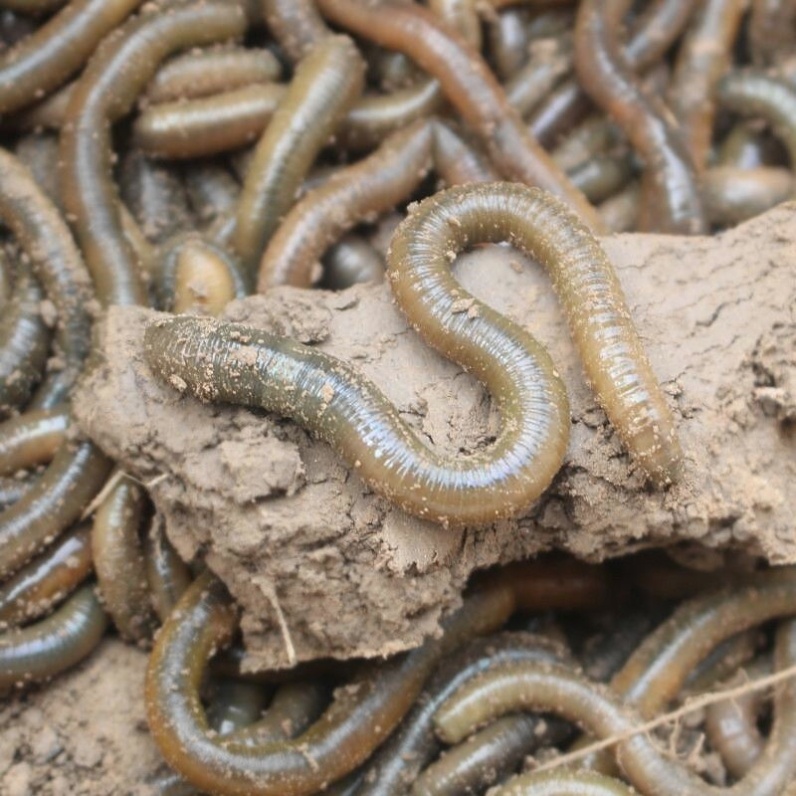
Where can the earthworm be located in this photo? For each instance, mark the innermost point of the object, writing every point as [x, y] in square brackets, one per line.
[48, 114]
[733, 195]
[508, 38]
[754, 93]
[591, 137]
[456, 161]
[54, 502]
[38, 153]
[486, 757]
[461, 15]
[655, 31]
[670, 199]
[114, 78]
[325, 84]
[771, 30]
[747, 148]
[208, 125]
[47, 648]
[556, 688]
[156, 197]
[602, 176]
[195, 275]
[731, 725]
[563, 783]
[58, 49]
[13, 489]
[723, 661]
[119, 561]
[469, 85]
[221, 362]
[359, 719]
[235, 704]
[47, 579]
[296, 25]
[208, 72]
[352, 260]
[212, 190]
[702, 60]
[414, 745]
[31, 439]
[167, 574]
[530, 84]
[24, 341]
[362, 190]
[37, 225]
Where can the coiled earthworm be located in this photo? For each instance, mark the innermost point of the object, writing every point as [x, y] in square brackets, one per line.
[209, 125]
[555, 688]
[414, 744]
[24, 341]
[114, 78]
[325, 84]
[119, 561]
[563, 783]
[167, 574]
[656, 30]
[54, 52]
[469, 85]
[486, 757]
[208, 72]
[47, 580]
[54, 502]
[352, 260]
[734, 195]
[57, 264]
[456, 161]
[670, 199]
[31, 439]
[222, 362]
[703, 59]
[754, 93]
[195, 275]
[47, 648]
[366, 188]
[359, 719]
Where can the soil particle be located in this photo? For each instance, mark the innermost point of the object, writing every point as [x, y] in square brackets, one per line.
[289, 528]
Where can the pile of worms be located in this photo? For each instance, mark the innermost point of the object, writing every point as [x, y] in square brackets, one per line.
[180, 154]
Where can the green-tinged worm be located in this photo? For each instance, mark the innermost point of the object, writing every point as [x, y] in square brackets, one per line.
[362, 190]
[113, 80]
[47, 580]
[59, 48]
[47, 648]
[325, 85]
[55, 501]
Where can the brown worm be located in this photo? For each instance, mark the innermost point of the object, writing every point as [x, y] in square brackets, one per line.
[351, 261]
[326, 83]
[670, 200]
[54, 52]
[734, 195]
[113, 80]
[468, 84]
[167, 574]
[31, 439]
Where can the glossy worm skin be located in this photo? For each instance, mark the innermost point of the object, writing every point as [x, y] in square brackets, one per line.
[167, 574]
[296, 25]
[733, 195]
[671, 200]
[119, 561]
[36, 588]
[57, 264]
[50, 55]
[456, 161]
[54, 502]
[507, 41]
[530, 84]
[208, 72]
[754, 93]
[31, 439]
[47, 648]
[326, 83]
[563, 783]
[469, 85]
[703, 59]
[514, 687]
[24, 341]
[115, 77]
[351, 261]
[414, 744]
[358, 720]
[371, 186]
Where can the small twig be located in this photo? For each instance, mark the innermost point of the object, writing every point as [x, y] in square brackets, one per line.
[693, 704]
